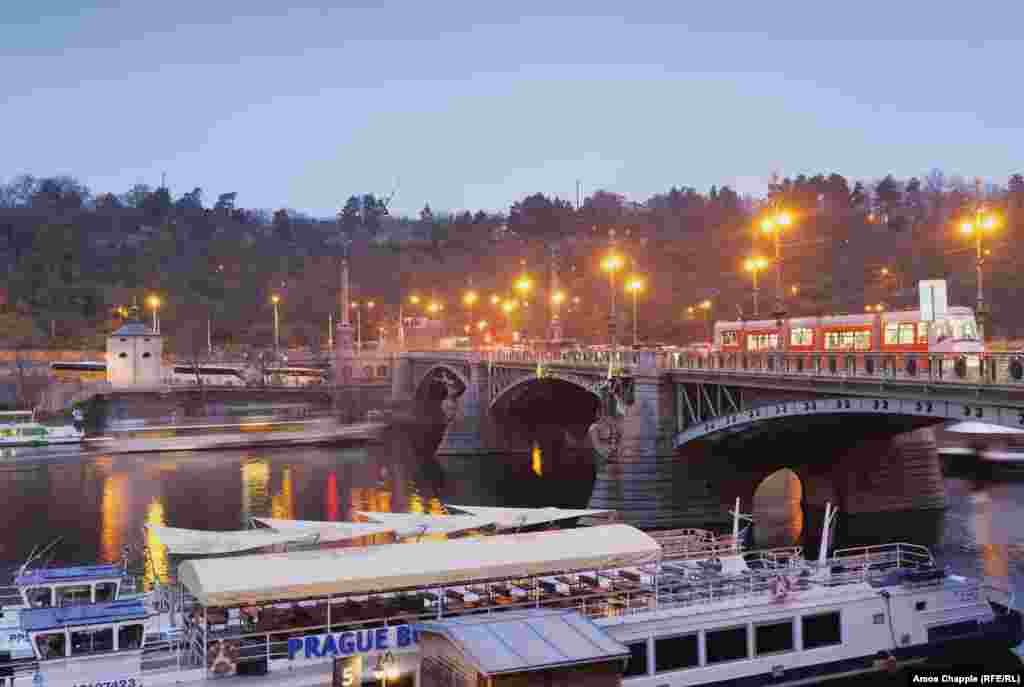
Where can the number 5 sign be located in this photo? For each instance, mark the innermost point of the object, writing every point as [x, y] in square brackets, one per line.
[348, 672]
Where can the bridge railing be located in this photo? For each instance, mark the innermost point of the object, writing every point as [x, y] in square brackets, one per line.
[984, 369]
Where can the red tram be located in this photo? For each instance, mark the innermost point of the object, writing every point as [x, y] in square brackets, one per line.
[954, 332]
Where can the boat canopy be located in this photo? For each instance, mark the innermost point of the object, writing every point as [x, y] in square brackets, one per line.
[324, 531]
[274, 578]
[512, 518]
[412, 524]
[201, 543]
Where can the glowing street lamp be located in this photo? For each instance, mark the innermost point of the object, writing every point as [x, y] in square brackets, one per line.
[634, 286]
[275, 299]
[984, 222]
[773, 225]
[754, 266]
[523, 285]
[611, 264]
[414, 299]
[154, 304]
[705, 306]
[495, 299]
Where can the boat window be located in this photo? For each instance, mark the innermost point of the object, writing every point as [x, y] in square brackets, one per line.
[85, 642]
[802, 336]
[773, 638]
[674, 653]
[51, 645]
[74, 595]
[129, 637]
[39, 597]
[105, 591]
[637, 664]
[727, 645]
[822, 630]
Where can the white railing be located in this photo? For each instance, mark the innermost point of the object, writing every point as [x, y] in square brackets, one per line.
[930, 368]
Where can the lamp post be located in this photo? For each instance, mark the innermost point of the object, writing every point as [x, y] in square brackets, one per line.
[984, 221]
[275, 299]
[469, 300]
[557, 298]
[634, 286]
[611, 264]
[755, 265]
[359, 325]
[773, 225]
[154, 304]
[705, 305]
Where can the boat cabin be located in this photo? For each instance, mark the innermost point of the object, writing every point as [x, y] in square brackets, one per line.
[74, 586]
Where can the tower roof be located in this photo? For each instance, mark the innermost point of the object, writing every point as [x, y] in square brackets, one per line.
[133, 328]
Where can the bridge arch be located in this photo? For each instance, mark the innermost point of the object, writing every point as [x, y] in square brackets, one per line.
[923, 411]
[435, 376]
[549, 399]
[502, 398]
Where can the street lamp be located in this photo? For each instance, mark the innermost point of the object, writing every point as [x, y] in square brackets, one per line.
[705, 305]
[495, 299]
[275, 299]
[634, 286]
[773, 225]
[754, 266]
[983, 222]
[523, 284]
[154, 304]
[611, 264]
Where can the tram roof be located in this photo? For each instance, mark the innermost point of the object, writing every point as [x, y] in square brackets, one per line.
[78, 573]
[296, 575]
[36, 619]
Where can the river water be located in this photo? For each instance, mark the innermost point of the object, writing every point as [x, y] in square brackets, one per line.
[99, 503]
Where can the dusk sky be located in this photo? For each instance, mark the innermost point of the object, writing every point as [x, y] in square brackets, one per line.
[473, 105]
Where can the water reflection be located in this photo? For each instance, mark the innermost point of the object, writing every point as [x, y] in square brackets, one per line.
[778, 511]
[282, 504]
[113, 511]
[331, 496]
[255, 489]
[537, 462]
[156, 566]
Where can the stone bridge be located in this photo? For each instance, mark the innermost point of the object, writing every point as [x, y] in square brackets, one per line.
[675, 433]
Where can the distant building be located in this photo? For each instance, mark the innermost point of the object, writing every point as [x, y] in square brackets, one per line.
[134, 354]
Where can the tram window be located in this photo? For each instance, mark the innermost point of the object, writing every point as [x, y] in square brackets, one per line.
[727, 645]
[892, 334]
[105, 591]
[729, 338]
[862, 341]
[39, 597]
[637, 664]
[92, 641]
[802, 336]
[52, 645]
[822, 630]
[673, 653]
[762, 342]
[773, 638]
[922, 332]
[907, 333]
[74, 595]
[129, 637]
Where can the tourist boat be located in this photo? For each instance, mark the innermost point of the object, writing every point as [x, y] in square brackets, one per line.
[19, 428]
[704, 616]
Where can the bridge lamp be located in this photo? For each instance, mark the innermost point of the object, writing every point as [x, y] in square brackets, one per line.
[983, 222]
[754, 266]
[481, 325]
[414, 299]
[558, 297]
[523, 285]
[435, 307]
[495, 299]
[154, 304]
[611, 264]
[773, 225]
[469, 300]
[634, 286]
[275, 299]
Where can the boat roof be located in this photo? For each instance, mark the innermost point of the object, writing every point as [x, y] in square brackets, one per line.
[207, 543]
[412, 524]
[272, 578]
[39, 619]
[512, 518]
[79, 573]
[520, 642]
[324, 531]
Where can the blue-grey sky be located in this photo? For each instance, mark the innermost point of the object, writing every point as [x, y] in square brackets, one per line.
[474, 104]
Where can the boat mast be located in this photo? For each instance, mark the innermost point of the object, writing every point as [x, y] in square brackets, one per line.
[826, 531]
[736, 517]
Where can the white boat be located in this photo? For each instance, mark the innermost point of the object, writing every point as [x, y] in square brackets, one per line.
[19, 428]
[691, 617]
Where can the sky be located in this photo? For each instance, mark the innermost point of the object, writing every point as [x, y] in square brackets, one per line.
[474, 105]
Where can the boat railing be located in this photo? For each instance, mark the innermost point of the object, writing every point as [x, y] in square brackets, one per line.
[880, 558]
[10, 596]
